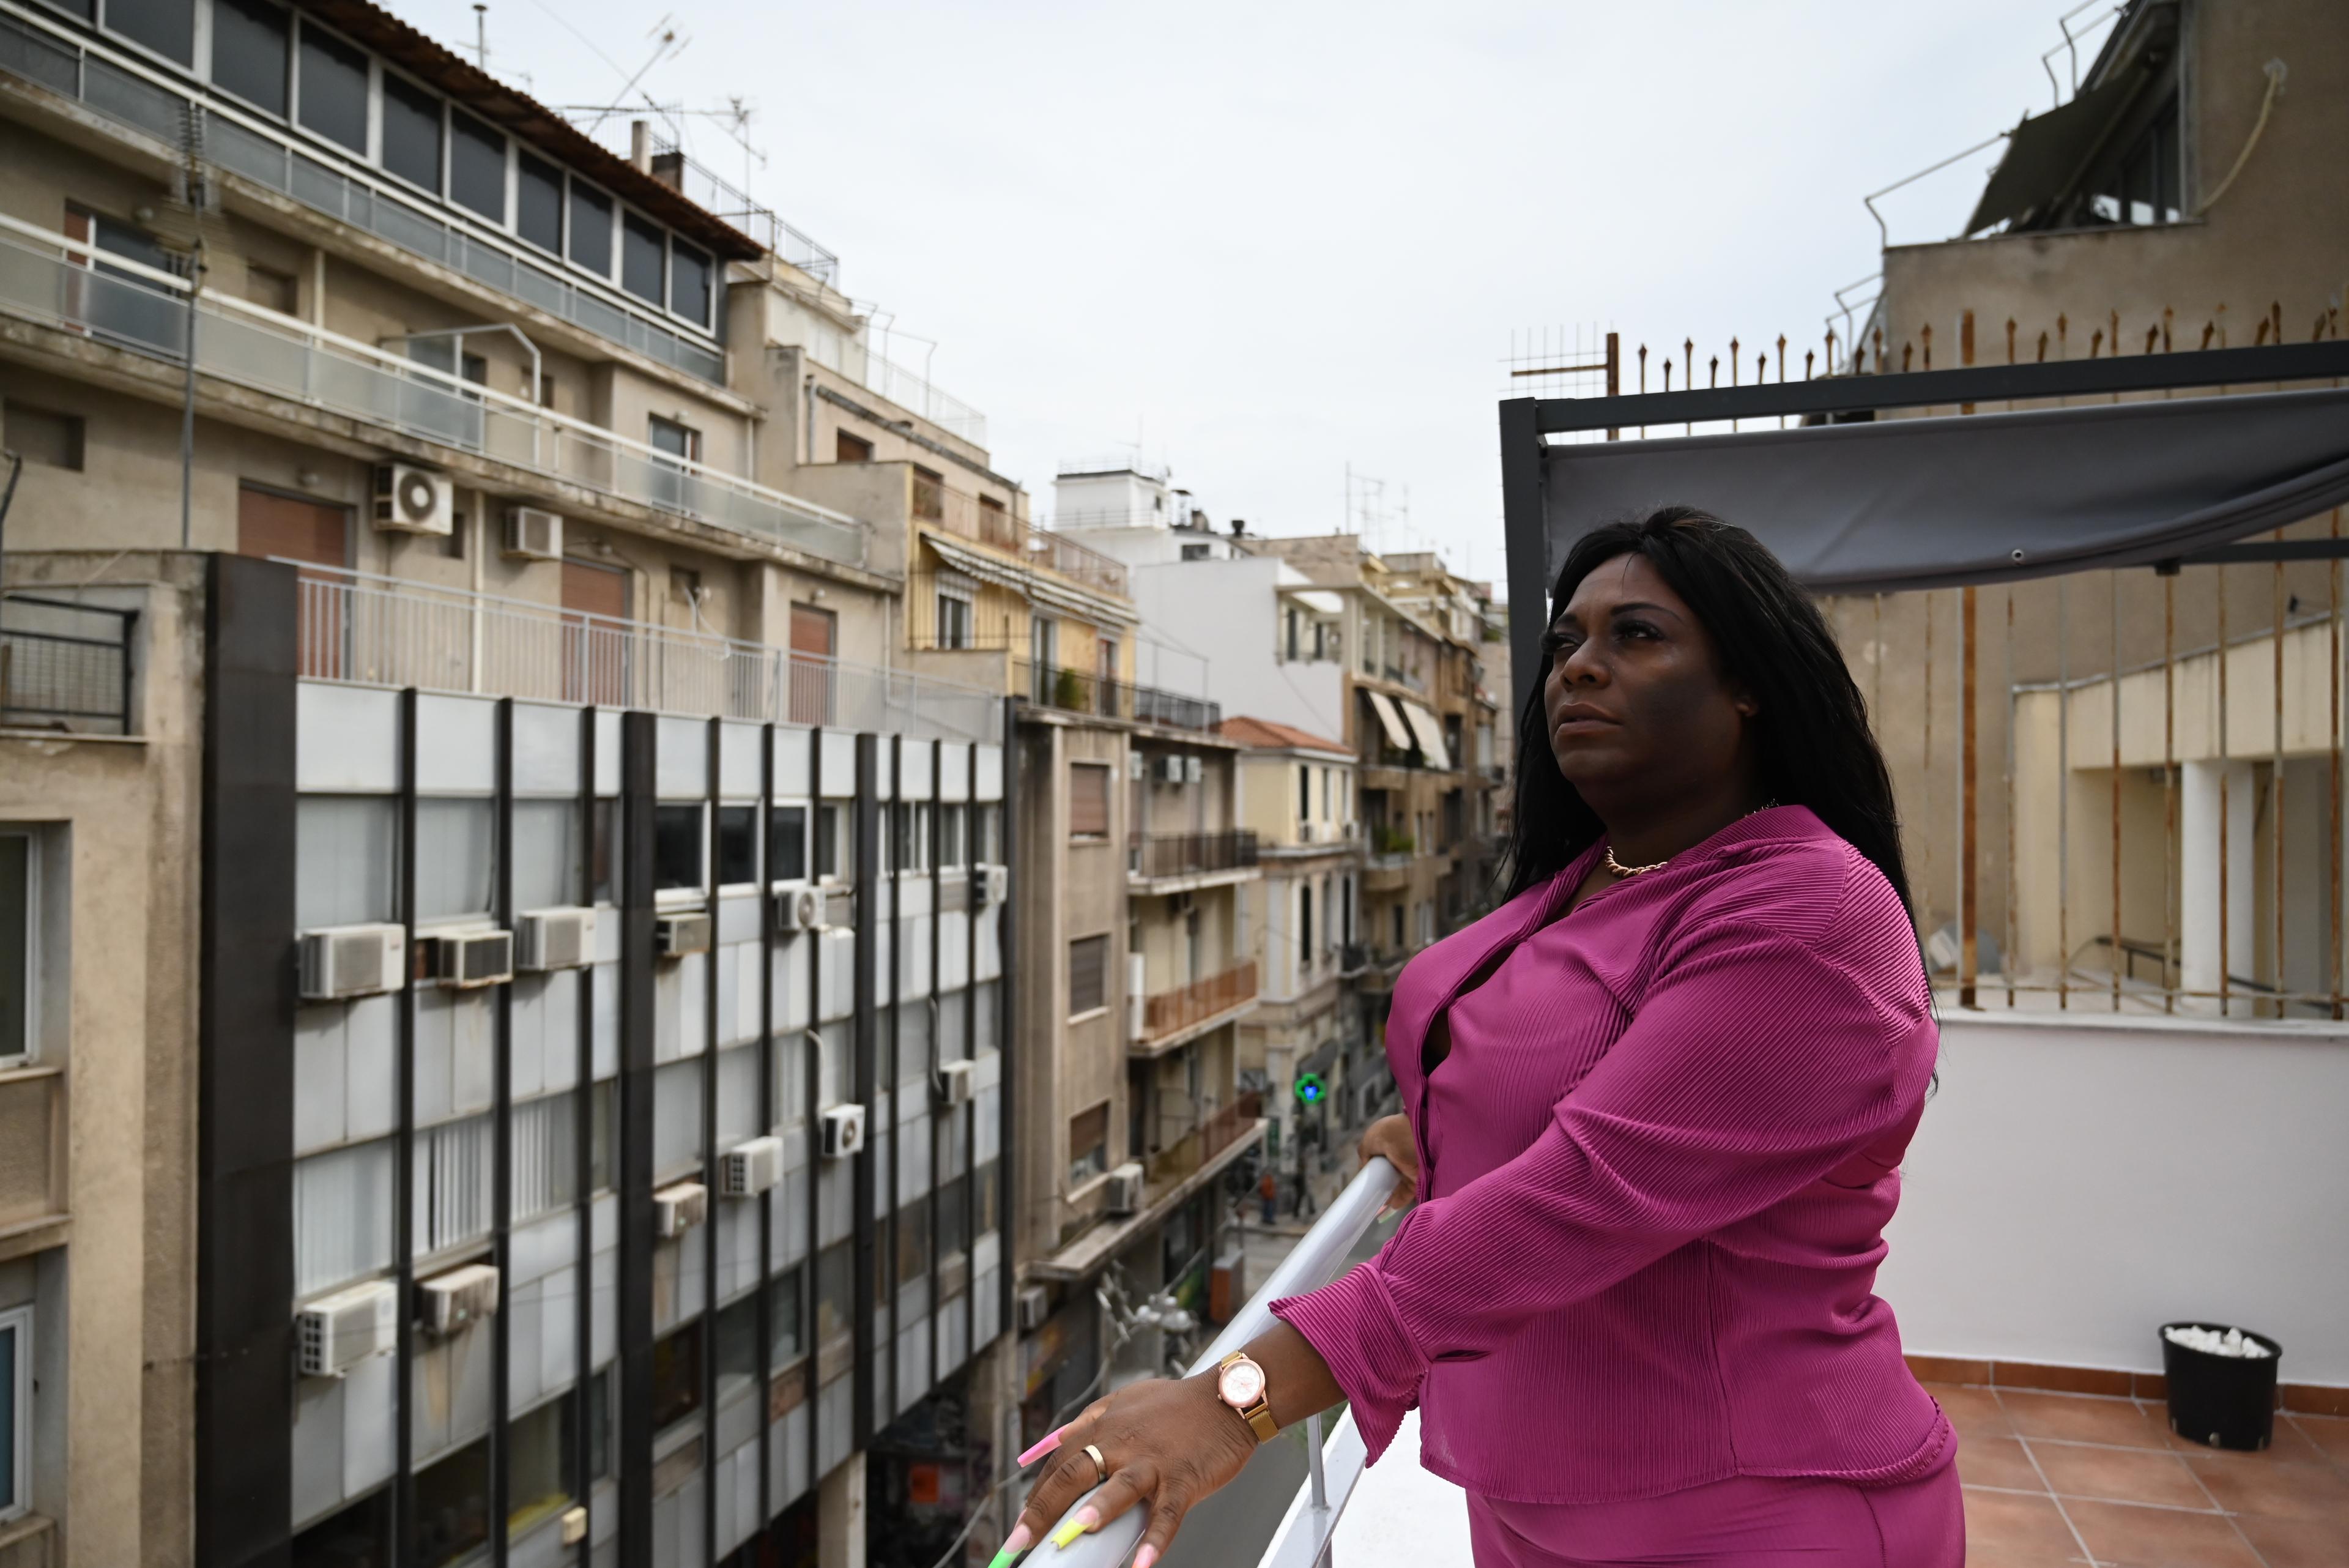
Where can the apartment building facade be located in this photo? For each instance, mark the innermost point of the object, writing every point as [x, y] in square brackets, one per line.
[499, 610]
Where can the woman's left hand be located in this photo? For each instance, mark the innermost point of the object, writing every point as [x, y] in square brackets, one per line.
[1166, 1442]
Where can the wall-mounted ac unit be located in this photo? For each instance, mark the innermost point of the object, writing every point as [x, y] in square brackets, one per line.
[797, 910]
[554, 939]
[451, 1303]
[1194, 770]
[1169, 770]
[750, 1167]
[533, 535]
[1125, 1189]
[955, 1083]
[412, 500]
[1035, 1306]
[678, 1208]
[993, 884]
[335, 1333]
[674, 936]
[468, 959]
[844, 1131]
[340, 961]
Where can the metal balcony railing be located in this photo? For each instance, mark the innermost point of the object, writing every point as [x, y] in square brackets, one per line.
[381, 631]
[1235, 1535]
[1187, 1155]
[129, 89]
[1190, 854]
[1082, 692]
[1165, 1012]
[65, 666]
[127, 304]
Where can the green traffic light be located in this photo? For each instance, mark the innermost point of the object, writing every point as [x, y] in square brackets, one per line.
[1308, 1089]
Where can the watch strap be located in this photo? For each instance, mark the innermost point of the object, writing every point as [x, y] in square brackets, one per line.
[1258, 1416]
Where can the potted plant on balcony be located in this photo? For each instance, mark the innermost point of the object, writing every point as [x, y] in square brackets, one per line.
[2221, 1383]
[1068, 691]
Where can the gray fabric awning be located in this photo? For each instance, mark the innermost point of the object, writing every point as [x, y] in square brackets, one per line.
[1944, 501]
[2047, 153]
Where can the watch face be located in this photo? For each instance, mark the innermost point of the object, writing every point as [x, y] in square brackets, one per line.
[1242, 1385]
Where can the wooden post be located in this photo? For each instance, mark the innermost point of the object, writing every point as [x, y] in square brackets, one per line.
[1615, 374]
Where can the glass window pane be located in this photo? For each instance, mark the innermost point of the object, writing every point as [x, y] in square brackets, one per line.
[912, 1242]
[546, 852]
[677, 846]
[411, 132]
[17, 929]
[456, 856]
[676, 1375]
[538, 204]
[342, 1215]
[346, 859]
[738, 1347]
[591, 229]
[12, 1362]
[677, 1118]
[166, 27]
[477, 167]
[738, 845]
[786, 844]
[249, 51]
[689, 281]
[452, 1506]
[333, 87]
[641, 242]
[785, 1344]
[538, 1451]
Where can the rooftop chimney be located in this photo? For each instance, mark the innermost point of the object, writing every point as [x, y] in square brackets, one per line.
[640, 145]
[1240, 526]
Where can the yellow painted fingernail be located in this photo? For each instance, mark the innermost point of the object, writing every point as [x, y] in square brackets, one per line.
[1083, 1519]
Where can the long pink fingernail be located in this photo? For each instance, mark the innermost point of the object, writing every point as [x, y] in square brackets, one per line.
[1016, 1544]
[1044, 1445]
[1145, 1557]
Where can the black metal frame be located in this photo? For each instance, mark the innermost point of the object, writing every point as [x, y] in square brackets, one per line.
[1524, 421]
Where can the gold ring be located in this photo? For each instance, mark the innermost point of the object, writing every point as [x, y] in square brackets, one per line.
[1101, 1465]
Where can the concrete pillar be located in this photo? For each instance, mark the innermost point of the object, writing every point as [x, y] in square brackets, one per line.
[840, 1515]
[2199, 885]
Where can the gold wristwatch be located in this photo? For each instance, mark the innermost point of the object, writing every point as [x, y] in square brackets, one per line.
[1239, 1383]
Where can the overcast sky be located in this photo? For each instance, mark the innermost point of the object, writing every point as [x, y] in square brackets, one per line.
[1270, 240]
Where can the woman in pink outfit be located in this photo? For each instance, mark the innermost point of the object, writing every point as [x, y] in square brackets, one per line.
[1657, 1103]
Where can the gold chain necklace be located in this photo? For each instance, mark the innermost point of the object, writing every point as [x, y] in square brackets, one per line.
[1617, 869]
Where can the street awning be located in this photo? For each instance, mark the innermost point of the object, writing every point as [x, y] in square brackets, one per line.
[1321, 601]
[1034, 585]
[1389, 721]
[1902, 503]
[1429, 735]
[2047, 153]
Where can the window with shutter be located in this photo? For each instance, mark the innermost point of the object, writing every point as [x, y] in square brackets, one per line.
[1088, 974]
[1088, 800]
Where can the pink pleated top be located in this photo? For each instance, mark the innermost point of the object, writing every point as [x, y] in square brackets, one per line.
[1655, 1168]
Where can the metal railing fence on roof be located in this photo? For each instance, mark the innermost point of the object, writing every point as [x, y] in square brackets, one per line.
[716, 195]
[127, 304]
[370, 630]
[124, 87]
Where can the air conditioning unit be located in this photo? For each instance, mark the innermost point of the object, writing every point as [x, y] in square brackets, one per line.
[678, 1208]
[1034, 1307]
[340, 961]
[955, 1083]
[993, 884]
[467, 960]
[751, 1168]
[844, 1131]
[797, 910]
[1170, 770]
[1125, 1189]
[1194, 770]
[533, 535]
[455, 1301]
[554, 939]
[335, 1333]
[674, 936]
[412, 500]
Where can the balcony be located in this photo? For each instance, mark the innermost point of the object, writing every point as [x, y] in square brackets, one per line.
[380, 631]
[1192, 1153]
[126, 305]
[65, 666]
[1072, 690]
[1175, 1174]
[126, 88]
[32, 1178]
[1171, 1018]
[1161, 863]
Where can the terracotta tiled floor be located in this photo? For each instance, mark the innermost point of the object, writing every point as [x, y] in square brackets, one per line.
[2054, 1480]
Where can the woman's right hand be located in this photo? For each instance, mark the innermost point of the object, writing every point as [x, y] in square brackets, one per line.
[1391, 1136]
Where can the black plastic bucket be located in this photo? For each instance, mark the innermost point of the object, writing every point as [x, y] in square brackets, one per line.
[2225, 1401]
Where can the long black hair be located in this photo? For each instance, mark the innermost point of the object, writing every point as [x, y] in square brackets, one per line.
[1811, 733]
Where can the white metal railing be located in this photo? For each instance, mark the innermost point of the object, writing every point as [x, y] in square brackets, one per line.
[1303, 1536]
[718, 196]
[369, 631]
[70, 284]
[137, 93]
[918, 395]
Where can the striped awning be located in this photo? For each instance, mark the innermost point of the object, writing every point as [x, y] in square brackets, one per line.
[1431, 736]
[1389, 721]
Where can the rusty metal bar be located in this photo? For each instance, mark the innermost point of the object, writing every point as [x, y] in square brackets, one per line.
[1614, 375]
[1969, 821]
